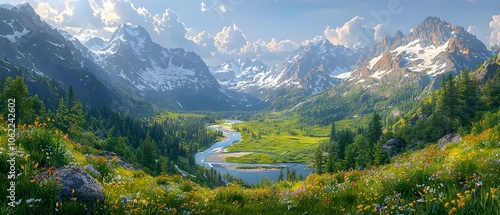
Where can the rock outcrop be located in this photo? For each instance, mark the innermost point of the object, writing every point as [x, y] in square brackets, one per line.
[448, 139]
[77, 183]
[391, 147]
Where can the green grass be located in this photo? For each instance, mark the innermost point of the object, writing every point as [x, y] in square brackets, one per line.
[281, 140]
[463, 178]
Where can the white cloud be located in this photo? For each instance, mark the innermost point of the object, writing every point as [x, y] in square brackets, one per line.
[203, 7]
[142, 11]
[106, 11]
[55, 13]
[169, 22]
[203, 39]
[473, 30]
[109, 29]
[280, 46]
[495, 34]
[230, 40]
[354, 34]
[313, 40]
[81, 34]
[45, 10]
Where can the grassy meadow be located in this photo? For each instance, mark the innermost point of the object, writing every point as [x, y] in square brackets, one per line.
[463, 178]
[278, 139]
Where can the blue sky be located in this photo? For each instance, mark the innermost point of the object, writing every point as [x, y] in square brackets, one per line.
[265, 29]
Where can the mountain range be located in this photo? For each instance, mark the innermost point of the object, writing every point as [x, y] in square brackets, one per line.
[418, 59]
[130, 69]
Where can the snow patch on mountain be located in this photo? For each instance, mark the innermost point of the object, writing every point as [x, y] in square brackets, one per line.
[374, 61]
[345, 75]
[170, 78]
[380, 74]
[16, 35]
[422, 59]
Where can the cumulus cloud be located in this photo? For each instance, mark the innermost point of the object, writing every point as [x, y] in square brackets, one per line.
[230, 40]
[142, 11]
[170, 22]
[279, 46]
[203, 39]
[55, 12]
[170, 29]
[313, 40]
[81, 34]
[495, 34]
[106, 10]
[354, 33]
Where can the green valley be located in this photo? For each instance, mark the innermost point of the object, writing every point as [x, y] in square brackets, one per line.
[298, 109]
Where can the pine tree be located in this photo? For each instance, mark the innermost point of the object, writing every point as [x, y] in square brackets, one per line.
[350, 156]
[148, 152]
[61, 116]
[468, 97]
[374, 129]
[18, 91]
[334, 158]
[379, 155]
[448, 104]
[491, 92]
[364, 153]
[318, 159]
[333, 133]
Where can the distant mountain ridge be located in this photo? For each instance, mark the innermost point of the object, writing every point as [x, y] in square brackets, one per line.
[399, 70]
[170, 78]
[434, 47]
[311, 68]
[240, 74]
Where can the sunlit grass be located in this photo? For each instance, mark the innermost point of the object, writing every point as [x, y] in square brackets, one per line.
[462, 178]
[277, 139]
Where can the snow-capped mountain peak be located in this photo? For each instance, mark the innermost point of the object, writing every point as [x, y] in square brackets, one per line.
[160, 75]
[240, 74]
[434, 47]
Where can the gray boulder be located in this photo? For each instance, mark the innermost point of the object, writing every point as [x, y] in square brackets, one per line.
[99, 135]
[448, 139]
[86, 188]
[391, 147]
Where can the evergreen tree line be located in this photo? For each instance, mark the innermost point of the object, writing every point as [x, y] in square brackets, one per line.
[453, 108]
[456, 107]
[156, 146]
[347, 149]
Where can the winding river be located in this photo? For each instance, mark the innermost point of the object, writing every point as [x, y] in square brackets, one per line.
[213, 157]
